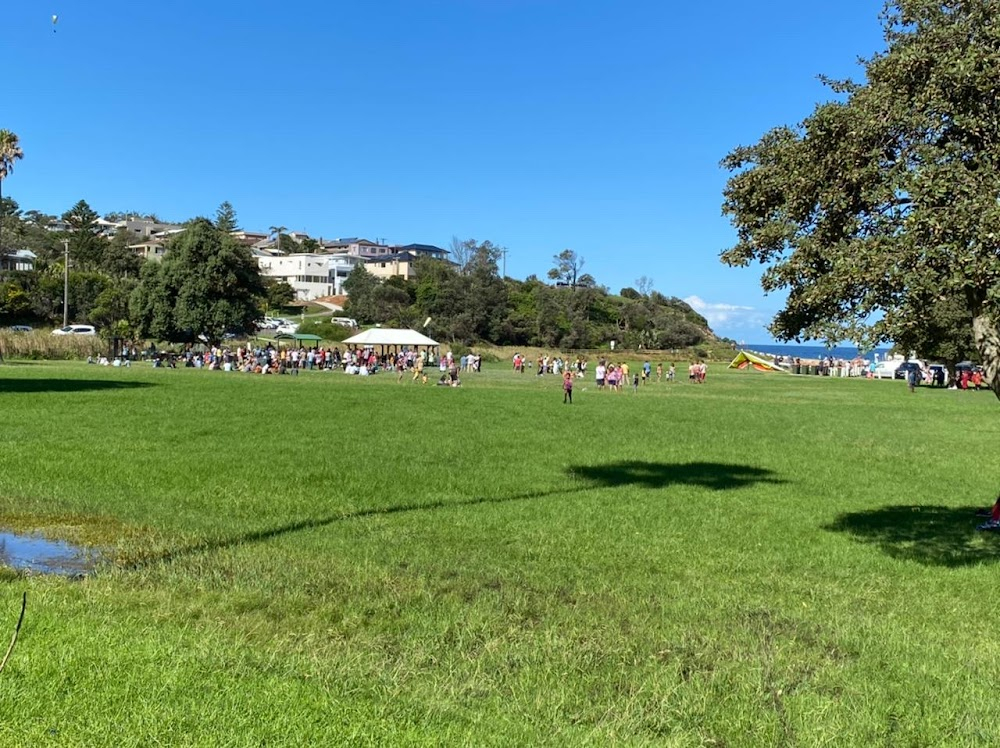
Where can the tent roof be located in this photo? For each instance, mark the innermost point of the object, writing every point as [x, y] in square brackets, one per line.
[389, 336]
[303, 337]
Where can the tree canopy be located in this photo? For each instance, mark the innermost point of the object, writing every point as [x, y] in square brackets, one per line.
[568, 265]
[225, 218]
[207, 285]
[473, 303]
[10, 151]
[885, 201]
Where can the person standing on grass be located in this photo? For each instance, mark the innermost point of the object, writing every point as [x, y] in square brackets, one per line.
[600, 373]
[568, 388]
[671, 373]
[659, 371]
[646, 370]
[911, 379]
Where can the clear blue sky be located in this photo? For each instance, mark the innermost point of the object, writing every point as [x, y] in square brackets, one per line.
[537, 124]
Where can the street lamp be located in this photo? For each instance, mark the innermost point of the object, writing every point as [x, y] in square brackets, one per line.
[66, 283]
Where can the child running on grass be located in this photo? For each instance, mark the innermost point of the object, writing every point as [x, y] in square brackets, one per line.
[568, 388]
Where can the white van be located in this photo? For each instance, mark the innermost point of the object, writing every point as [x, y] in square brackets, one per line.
[75, 330]
[344, 321]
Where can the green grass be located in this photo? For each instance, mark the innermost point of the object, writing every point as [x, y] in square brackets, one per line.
[761, 560]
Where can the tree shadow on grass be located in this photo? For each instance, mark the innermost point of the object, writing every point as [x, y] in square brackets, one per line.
[27, 386]
[929, 535]
[712, 475]
[263, 535]
[647, 474]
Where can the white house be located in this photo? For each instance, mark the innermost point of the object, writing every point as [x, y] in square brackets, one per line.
[19, 259]
[311, 275]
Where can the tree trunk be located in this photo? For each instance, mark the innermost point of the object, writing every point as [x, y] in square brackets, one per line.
[987, 337]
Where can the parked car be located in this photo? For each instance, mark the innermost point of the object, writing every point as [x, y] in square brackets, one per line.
[344, 321]
[75, 330]
[20, 328]
[904, 369]
[967, 365]
[886, 369]
[289, 328]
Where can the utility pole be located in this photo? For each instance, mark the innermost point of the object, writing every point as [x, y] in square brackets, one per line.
[503, 253]
[65, 282]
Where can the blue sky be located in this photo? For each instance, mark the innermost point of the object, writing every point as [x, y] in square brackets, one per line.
[537, 124]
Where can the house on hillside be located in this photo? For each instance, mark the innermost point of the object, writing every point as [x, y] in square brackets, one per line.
[402, 262]
[422, 250]
[145, 229]
[18, 260]
[58, 225]
[355, 247]
[249, 238]
[311, 275]
[154, 249]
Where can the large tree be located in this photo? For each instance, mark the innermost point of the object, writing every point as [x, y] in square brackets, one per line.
[225, 218]
[86, 247]
[206, 285]
[360, 287]
[886, 200]
[277, 231]
[460, 251]
[10, 151]
[568, 265]
[118, 260]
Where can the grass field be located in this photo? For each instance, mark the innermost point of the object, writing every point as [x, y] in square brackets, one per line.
[327, 560]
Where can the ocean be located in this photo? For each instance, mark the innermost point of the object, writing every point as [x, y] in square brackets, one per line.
[813, 351]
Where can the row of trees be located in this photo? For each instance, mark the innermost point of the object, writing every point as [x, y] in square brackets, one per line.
[469, 301]
[207, 284]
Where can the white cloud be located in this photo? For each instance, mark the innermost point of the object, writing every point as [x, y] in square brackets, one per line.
[726, 319]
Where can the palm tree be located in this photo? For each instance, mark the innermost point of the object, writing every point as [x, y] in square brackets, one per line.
[10, 152]
[278, 230]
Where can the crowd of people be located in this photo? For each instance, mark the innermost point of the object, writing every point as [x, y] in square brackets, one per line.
[545, 364]
[609, 375]
[827, 366]
[271, 359]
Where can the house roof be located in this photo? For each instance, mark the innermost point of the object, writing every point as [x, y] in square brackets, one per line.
[390, 336]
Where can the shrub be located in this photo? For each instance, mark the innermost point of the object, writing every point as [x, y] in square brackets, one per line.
[330, 332]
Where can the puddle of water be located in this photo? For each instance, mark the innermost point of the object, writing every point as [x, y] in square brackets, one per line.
[37, 554]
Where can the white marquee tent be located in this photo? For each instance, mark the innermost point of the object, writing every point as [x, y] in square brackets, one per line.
[385, 336]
